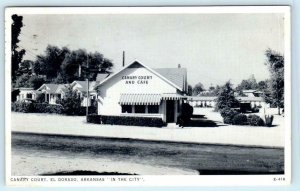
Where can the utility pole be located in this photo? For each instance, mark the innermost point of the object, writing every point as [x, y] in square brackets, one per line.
[123, 60]
[87, 91]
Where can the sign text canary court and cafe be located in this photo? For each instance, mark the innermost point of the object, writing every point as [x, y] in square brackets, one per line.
[136, 79]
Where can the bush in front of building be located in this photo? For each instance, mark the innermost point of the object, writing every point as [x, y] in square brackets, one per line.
[269, 120]
[186, 113]
[40, 98]
[126, 120]
[47, 108]
[23, 107]
[228, 115]
[255, 120]
[94, 118]
[71, 102]
[226, 98]
[239, 119]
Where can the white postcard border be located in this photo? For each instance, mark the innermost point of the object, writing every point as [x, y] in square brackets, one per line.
[159, 180]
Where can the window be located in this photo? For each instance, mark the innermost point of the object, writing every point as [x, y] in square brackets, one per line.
[140, 109]
[29, 96]
[153, 108]
[126, 109]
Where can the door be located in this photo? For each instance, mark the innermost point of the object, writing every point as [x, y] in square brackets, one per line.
[170, 111]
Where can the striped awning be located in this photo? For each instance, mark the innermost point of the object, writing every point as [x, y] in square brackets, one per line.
[172, 96]
[140, 99]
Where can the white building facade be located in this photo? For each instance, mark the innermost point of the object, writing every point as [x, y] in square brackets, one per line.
[27, 93]
[53, 92]
[138, 90]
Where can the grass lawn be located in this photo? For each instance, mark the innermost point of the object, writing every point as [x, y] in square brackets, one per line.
[221, 134]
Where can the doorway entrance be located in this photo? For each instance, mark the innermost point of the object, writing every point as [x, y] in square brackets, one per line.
[170, 111]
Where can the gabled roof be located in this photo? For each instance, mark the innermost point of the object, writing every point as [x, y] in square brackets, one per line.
[53, 88]
[151, 70]
[175, 75]
[83, 85]
[249, 91]
[100, 77]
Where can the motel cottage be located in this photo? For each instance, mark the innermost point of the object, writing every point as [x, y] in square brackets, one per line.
[27, 93]
[138, 90]
[251, 99]
[52, 92]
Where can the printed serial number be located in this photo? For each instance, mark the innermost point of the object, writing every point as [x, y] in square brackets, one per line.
[279, 179]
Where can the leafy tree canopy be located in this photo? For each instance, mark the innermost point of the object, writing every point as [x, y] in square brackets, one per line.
[17, 55]
[198, 88]
[275, 63]
[65, 65]
[249, 84]
[226, 97]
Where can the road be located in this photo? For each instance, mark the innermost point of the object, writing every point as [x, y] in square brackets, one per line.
[203, 159]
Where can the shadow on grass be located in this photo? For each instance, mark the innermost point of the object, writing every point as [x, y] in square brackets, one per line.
[84, 173]
[202, 123]
[272, 126]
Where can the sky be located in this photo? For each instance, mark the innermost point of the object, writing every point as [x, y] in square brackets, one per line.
[214, 48]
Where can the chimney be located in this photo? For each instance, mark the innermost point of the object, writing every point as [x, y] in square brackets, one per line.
[179, 66]
[123, 58]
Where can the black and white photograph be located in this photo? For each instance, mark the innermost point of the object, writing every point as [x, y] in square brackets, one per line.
[132, 95]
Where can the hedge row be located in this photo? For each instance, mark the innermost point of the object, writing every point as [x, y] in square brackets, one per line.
[25, 107]
[36, 108]
[231, 116]
[126, 120]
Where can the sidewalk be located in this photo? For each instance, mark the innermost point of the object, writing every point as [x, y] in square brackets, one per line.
[227, 135]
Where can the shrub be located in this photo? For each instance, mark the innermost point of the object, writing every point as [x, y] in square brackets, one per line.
[22, 107]
[228, 114]
[255, 109]
[54, 109]
[239, 119]
[226, 98]
[255, 120]
[126, 120]
[36, 108]
[40, 98]
[71, 102]
[186, 114]
[94, 118]
[269, 120]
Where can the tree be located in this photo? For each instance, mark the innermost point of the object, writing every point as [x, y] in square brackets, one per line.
[249, 84]
[35, 82]
[81, 59]
[23, 81]
[61, 65]
[50, 63]
[17, 55]
[275, 62]
[226, 98]
[71, 102]
[198, 88]
[28, 81]
[211, 88]
[25, 67]
[263, 85]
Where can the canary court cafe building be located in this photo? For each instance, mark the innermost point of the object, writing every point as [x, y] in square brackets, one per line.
[139, 91]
